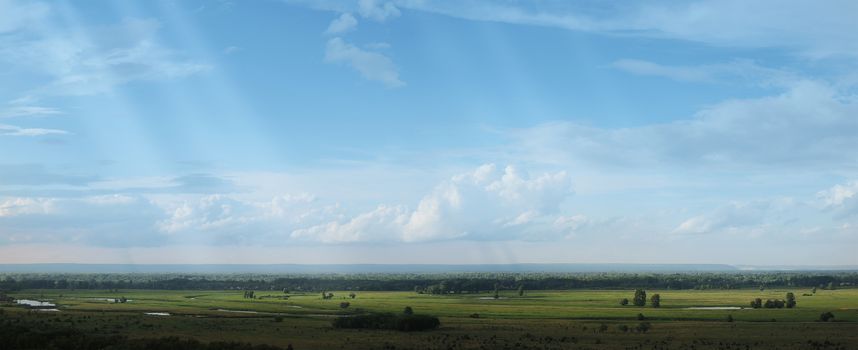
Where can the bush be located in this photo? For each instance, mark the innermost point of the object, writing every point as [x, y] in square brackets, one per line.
[624, 301]
[403, 322]
[826, 316]
[641, 317]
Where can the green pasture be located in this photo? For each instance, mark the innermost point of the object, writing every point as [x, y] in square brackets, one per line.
[591, 319]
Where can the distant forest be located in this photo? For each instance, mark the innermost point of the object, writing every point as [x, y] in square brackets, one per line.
[435, 283]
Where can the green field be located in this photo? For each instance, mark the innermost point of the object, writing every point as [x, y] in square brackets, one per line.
[540, 319]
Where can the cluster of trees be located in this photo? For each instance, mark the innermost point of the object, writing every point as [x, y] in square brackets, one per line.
[640, 299]
[249, 294]
[431, 283]
[407, 321]
[21, 335]
[789, 302]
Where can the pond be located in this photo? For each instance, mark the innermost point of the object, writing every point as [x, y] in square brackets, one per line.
[34, 303]
[238, 311]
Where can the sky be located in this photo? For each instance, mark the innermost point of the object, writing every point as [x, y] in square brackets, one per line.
[421, 131]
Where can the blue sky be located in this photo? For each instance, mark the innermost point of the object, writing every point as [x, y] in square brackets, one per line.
[429, 132]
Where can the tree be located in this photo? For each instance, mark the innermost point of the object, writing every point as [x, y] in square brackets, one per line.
[813, 291]
[521, 290]
[790, 300]
[656, 300]
[729, 318]
[826, 316]
[757, 303]
[641, 317]
[624, 301]
[345, 305]
[830, 285]
[408, 310]
[352, 295]
[496, 295]
[643, 327]
[640, 297]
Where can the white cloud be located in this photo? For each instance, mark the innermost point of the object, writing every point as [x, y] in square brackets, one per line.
[26, 111]
[841, 198]
[486, 204]
[383, 223]
[736, 71]
[345, 23]
[808, 28]
[751, 218]
[95, 60]
[371, 65]
[377, 10]
[112, 220]
[15, 15]
[809, 123]
[11, 130]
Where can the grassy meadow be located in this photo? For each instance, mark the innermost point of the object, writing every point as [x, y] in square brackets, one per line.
[540, 319]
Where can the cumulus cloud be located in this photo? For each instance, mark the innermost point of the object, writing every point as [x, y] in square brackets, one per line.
[371, 65]
[841, 198]
[486, 204]
[345, 23]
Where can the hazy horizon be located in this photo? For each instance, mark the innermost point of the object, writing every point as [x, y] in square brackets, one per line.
[428, 132]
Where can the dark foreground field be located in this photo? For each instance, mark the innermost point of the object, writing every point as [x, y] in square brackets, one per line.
[579, 319]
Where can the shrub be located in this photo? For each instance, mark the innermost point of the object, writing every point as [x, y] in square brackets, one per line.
[405, 323]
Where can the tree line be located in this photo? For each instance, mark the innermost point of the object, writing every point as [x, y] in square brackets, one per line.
[430, 283]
